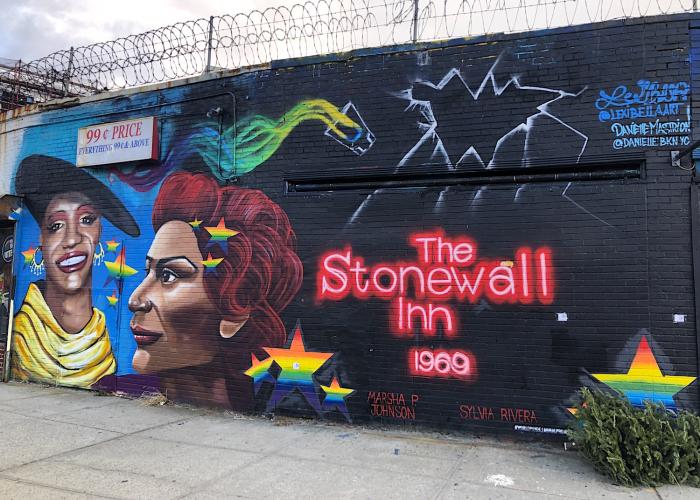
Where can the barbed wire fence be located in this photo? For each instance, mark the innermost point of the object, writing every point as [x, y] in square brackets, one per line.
[311, 28]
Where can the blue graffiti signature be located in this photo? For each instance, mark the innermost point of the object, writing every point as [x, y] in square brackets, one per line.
[649, 93]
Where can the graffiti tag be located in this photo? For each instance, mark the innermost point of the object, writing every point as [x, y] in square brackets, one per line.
[651, 107]
[648, 93]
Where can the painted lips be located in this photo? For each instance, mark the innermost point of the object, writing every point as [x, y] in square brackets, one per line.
[144, 337]
[71, 262]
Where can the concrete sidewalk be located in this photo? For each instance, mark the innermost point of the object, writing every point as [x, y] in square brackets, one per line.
[61, 443]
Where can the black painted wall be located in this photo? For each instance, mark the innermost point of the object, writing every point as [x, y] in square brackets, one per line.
[531, 140]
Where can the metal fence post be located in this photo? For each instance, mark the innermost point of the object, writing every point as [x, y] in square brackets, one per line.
[17, 87]
[68, 74]
[209, 44]
[415, 20]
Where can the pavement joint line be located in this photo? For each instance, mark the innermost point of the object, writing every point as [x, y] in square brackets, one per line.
[359, 467]
[98, 469]
[80, 448]
[469, 441]
[57, 414]
[45, 418]
[205, 484]
[206, 446]
[53, 487]
[26, 397]
[450, 477]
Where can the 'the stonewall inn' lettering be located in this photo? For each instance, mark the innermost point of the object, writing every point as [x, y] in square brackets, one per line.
[446, 269]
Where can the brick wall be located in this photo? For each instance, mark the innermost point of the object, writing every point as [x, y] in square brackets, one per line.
[483, 227]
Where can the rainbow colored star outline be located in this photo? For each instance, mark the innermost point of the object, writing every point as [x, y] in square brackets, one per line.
[259, 372]
[112, 245]
[297, 368]
[644, 380]
[28, 254]
[220, 234]
[335, 397]
[210, 262]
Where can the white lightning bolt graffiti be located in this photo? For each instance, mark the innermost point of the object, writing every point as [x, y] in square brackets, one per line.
[431, 124]
[431, 136]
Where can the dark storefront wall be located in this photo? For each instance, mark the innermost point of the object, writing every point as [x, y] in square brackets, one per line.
[537, 162]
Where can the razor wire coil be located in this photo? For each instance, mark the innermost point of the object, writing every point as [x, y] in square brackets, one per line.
[311, 28]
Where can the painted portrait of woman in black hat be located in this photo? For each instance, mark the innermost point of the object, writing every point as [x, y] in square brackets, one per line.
[58, 336]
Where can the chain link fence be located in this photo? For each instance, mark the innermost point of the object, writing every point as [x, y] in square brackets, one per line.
[312, 28]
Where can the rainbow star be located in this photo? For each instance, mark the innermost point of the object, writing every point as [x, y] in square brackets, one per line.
[297, 368]
[112, 245]
[220, 234]
[113, 299]
[29, 254]
[335, 397]
[259, 371]
[644, 380]
[195, 223]
[118, 269]
[211, 263]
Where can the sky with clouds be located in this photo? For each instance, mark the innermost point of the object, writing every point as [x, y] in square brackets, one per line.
[35, 28]
[30, 29]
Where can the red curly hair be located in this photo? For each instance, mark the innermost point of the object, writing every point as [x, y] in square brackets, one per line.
[261, 272]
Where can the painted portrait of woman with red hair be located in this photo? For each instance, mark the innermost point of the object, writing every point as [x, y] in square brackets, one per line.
[220, 270]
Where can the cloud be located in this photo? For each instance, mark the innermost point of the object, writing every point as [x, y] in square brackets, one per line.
[40, 27]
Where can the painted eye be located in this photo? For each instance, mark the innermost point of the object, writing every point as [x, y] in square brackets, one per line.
[168, 276]
[55, 226]
[88, 220]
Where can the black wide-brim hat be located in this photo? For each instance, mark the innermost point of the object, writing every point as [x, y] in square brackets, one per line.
[40, 178]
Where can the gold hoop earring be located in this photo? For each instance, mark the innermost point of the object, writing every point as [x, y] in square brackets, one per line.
[99, 254]
[37, 267]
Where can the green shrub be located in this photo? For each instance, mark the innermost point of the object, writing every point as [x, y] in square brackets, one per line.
[633, 446]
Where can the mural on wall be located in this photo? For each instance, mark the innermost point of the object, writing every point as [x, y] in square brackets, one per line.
[395, 303]
[221, 268]
[58, 336]
[242, 147]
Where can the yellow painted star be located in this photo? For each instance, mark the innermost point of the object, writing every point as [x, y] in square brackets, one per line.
[119, 269]
[113, 299]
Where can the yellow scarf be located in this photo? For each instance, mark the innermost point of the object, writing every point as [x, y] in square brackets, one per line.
[42, 351]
